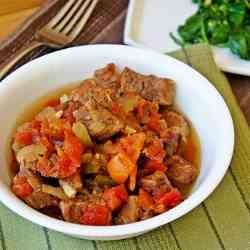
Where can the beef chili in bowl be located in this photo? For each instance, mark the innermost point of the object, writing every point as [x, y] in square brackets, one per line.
[113, 150]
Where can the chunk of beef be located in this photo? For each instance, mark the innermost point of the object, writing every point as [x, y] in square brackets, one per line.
[89, 90]
[171, 137]
[108, 76]
[30, 154]
[156, 183]
[150, 87]
[72, 210]
[177, 121]
[39, 199]
[100, 122]
[130, 211]
[33, 178]
[181, 172]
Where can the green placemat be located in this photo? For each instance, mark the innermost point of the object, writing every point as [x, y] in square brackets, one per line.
[221, 222]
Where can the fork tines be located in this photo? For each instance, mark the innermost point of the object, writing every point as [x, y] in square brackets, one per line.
[72, 18]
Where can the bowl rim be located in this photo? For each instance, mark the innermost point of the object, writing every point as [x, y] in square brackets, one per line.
[19, 207]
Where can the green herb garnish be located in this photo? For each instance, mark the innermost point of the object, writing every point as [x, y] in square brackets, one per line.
[223, 23]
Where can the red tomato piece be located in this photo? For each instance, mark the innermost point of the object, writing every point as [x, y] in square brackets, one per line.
[141, 109]
[52, 103]
[154, 122]
[97, 215]
[45, 168]
[152, 166]
[21, 187]
[45, 130]
[145, 199]
[36, 126]
[24, 138]
[115, 196]
[65, 166]
[155, 151]
[171, 199]
[115, 108]
[73, 148]
[132, 145]
[49, 146]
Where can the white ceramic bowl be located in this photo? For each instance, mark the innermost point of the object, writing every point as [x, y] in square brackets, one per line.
[197, 98]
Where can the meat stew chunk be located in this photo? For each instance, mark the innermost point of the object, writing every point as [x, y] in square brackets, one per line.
[181, 172]
[130, 211]
[90, 90]
[177, 122]
[100, 122]
[39, 199]
[156, 183]
[150, 87]
[72, 210]
[112, 151]
[108, 76]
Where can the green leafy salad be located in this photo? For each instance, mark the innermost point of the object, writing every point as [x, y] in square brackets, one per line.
[223, 23]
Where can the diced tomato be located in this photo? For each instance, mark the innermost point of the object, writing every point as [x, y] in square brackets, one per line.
[24, 138]
[145, 199]
[49, 146]
[151, 166]
[97, 215]
[141, 109]
[115, 197]
[52, 103]
[21, 187]
[73, 148]
[132, 145]
[155, 151]
[66, 167]
[36, 125]
[115, 108]
[154, 122]
[119, 168]
[45, 130]
[171, 199]
[45, 168]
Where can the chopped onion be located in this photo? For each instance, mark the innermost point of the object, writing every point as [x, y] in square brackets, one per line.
[87, 157]
[55, 191]
[128, 103]
[64, 98]
[48, 114]
[129, 130]
[59, 114]
[82, 133]
[104, 180]
[68, 189]
[31, 153]
[34, 181]
[91, 168]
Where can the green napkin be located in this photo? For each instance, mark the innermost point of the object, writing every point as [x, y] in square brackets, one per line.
[221, 222]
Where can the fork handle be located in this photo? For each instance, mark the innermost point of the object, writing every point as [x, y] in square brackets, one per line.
[17, 57]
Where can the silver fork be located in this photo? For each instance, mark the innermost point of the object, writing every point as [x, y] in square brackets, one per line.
[59, 32]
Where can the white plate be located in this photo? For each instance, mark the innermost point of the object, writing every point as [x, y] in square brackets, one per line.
[149, 23]
[198, 99]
